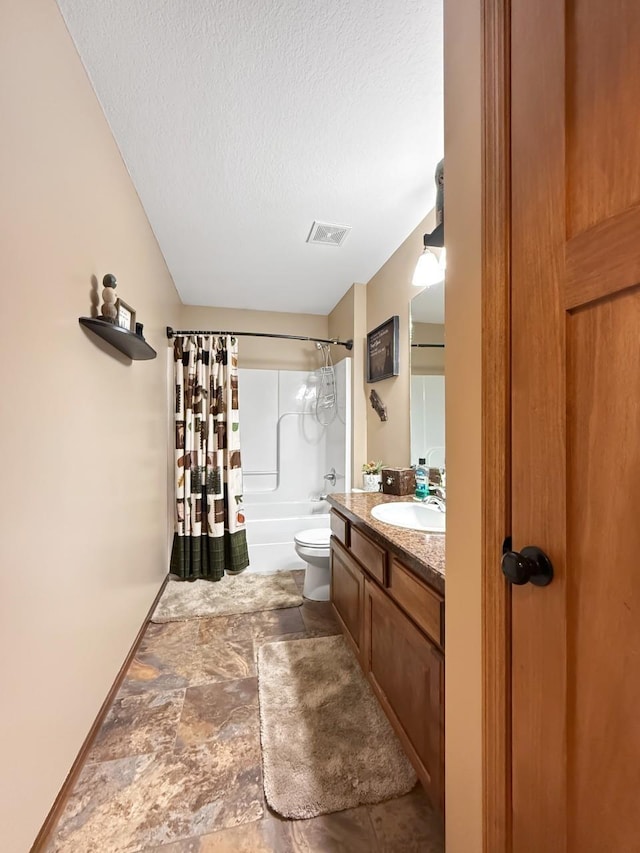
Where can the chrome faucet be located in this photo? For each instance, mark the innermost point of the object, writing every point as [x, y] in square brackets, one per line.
[438, 487]
[433, 500]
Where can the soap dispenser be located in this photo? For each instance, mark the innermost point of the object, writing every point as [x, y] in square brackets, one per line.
[422, 480]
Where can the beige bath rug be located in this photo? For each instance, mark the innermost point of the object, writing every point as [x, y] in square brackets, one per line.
[326, 745]
[233, 594]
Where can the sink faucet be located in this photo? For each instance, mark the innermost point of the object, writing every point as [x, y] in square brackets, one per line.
[437, 485]
[433, 500]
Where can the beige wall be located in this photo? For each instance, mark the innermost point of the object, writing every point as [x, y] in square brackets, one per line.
[83, 431]
[264, 353]
[462, 75]
[427, 360]
[349, 320]
[389, 292]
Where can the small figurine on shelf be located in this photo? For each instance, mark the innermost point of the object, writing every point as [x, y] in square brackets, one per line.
[109, 312]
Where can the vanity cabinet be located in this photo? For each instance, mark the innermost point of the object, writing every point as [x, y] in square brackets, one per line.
[406, 672]
[395, 624]
[347, 595]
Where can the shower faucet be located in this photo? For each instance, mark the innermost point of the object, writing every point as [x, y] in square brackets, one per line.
[331, 477]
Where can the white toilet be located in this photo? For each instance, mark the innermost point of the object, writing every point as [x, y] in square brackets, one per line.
[313, 547]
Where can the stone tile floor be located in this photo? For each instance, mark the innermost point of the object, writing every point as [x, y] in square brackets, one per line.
[176, 767]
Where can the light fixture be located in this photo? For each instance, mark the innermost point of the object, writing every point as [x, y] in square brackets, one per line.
[432, 263]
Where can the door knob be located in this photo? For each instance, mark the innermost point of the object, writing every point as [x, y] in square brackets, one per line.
[531, 565]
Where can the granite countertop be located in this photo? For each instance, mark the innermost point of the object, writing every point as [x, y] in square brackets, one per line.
[423, 553]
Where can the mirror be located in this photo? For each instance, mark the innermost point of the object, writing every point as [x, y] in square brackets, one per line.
[427, 377]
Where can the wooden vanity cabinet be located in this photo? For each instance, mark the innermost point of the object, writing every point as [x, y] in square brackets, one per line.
[347, 595]
[406, 672]
[395, 625]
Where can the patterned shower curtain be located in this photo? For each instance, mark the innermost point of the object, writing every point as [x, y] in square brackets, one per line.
[210, 533]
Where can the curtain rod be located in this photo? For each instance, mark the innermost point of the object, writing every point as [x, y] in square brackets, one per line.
[348, 344]
[438, 346]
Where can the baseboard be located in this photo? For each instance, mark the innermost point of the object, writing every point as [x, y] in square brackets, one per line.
[47, 828]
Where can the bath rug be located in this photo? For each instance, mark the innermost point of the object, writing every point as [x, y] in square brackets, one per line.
[326, 744]
[233, 594]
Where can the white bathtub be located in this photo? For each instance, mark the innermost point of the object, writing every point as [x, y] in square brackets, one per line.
[271, 528]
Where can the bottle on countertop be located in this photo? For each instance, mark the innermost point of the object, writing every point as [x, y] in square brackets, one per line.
[422, 480]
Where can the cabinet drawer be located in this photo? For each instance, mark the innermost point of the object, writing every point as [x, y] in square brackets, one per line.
[339, 527]
[371, 556]
[421, 603]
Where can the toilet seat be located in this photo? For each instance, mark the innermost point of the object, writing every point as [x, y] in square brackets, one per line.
[314, 538]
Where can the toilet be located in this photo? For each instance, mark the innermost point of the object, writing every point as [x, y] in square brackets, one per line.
[313, 547]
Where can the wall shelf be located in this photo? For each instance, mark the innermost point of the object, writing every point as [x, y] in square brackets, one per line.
[127, 342]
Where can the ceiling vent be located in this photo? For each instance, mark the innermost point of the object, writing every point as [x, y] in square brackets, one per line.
[328, 235]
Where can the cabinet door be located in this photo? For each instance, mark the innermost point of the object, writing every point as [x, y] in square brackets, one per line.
[347, 591]
[406, 672]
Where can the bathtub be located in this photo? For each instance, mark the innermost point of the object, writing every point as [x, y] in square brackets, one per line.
[271, 528]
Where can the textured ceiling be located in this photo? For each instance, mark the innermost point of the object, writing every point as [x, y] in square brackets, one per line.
[242, 121]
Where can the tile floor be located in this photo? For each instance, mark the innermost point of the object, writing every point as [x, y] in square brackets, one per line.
[176, 767]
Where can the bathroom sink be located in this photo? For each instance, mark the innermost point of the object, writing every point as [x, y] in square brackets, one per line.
[415, 516]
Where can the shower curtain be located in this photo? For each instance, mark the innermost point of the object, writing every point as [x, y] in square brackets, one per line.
[210, 537]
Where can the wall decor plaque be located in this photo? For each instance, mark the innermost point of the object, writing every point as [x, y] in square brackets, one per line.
[383, 350]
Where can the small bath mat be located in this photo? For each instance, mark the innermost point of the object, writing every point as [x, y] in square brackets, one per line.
[326, 745]
[233, 594]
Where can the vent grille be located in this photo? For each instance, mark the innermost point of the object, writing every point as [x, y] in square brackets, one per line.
[328, 235]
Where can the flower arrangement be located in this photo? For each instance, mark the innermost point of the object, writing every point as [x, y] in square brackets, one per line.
[372, 467]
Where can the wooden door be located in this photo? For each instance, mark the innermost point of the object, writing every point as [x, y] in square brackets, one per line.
[406, 672]
[347, 590]
[575, 298]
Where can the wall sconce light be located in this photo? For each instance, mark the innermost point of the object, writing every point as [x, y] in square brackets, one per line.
[432, 263]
